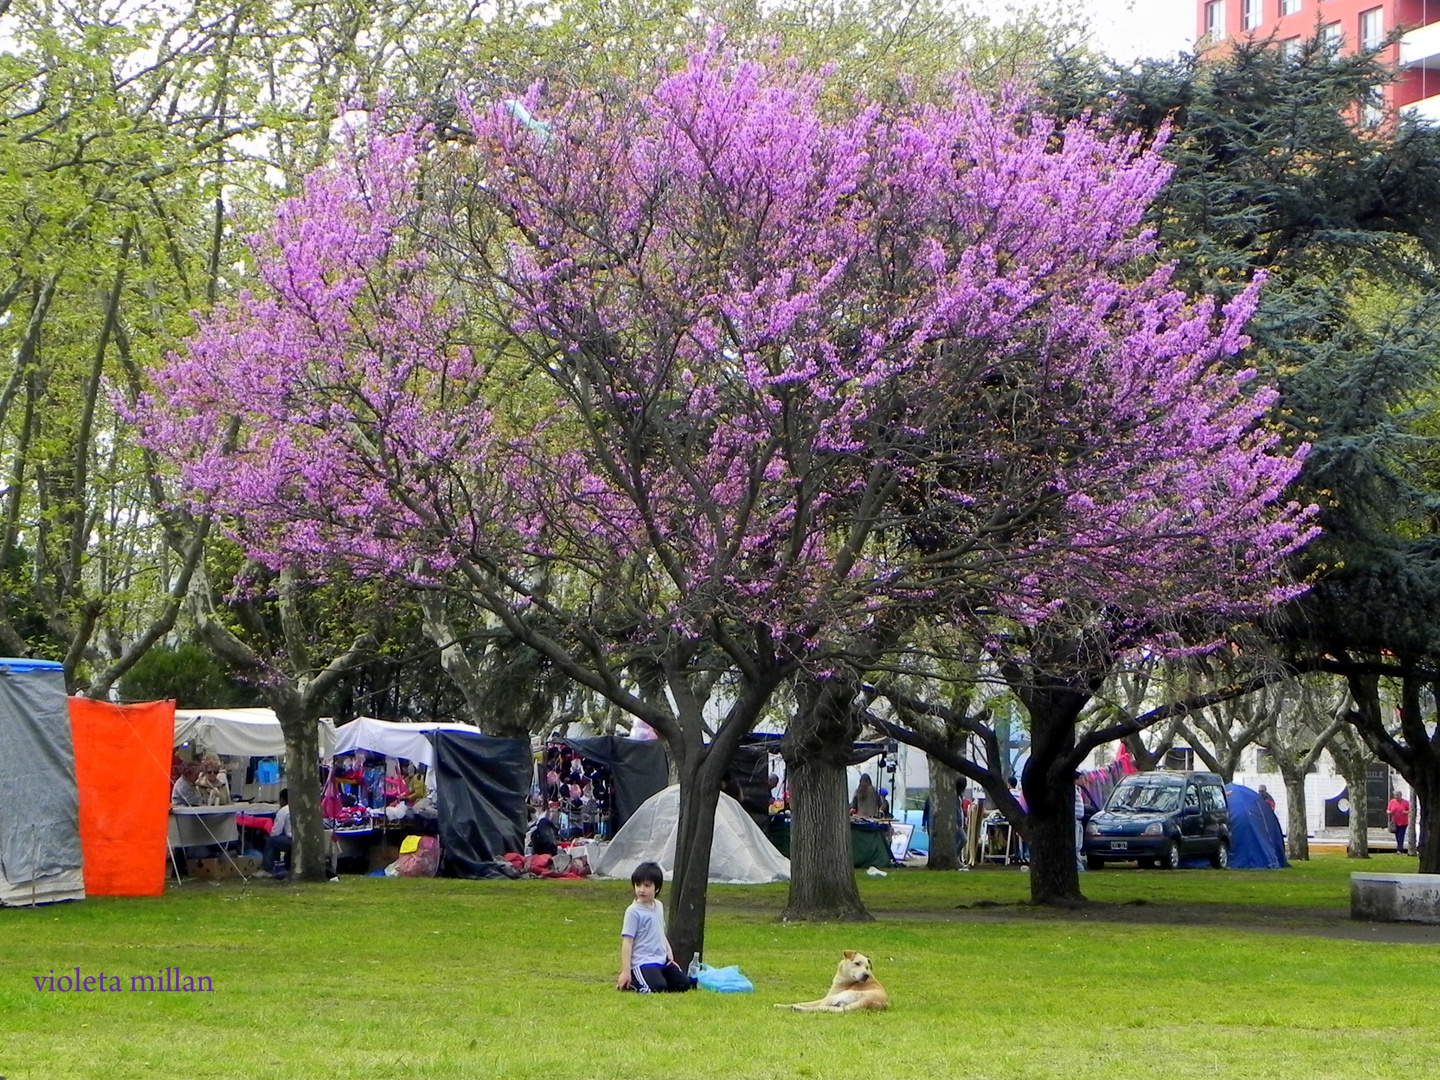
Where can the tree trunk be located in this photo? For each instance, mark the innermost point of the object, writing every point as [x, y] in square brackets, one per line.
[302, 781]
[822, 871]
[701, 768]
[1297, 842]
[1054, 870]
[943, 855]
[817, 747]
[1049, 785]
[1357, 845]
[1424, 794]
[1353, 763]
[695, 833]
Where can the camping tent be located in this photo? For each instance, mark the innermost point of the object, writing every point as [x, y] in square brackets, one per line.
[1256, 842]
[408, 741]
[241, 732]
[40, 858]
[481, 782]
[740, 854]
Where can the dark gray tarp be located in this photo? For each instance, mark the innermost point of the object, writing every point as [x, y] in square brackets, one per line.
[750, 774]
[638, 769]
[481, 783]
[39, 801]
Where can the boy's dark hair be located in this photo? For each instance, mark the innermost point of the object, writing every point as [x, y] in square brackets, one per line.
[284, 795]
[651, 872]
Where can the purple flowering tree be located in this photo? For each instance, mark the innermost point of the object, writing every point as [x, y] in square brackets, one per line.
[767, 380]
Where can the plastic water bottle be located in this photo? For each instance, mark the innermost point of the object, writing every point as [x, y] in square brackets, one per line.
[693, 971]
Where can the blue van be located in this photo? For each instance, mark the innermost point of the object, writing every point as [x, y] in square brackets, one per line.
[1161, 819]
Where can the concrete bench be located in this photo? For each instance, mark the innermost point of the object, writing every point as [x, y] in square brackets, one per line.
[1395, 897]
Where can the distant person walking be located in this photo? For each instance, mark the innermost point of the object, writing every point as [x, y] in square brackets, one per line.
[1399, 813]
[1267, 798]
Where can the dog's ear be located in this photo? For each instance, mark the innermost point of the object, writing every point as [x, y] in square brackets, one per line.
[849, 954]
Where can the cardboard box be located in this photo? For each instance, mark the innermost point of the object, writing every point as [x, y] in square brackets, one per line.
[217, 869]
[245, 865]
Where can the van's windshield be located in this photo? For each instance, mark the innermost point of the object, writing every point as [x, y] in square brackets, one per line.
[1146, 795]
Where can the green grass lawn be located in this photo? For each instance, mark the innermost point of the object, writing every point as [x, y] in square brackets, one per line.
[382, 978]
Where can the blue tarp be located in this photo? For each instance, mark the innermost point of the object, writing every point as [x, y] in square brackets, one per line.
[1256, 842]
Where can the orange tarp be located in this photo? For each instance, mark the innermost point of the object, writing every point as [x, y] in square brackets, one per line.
[122, 766]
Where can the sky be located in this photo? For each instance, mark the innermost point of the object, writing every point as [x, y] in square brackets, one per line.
[1126, 29]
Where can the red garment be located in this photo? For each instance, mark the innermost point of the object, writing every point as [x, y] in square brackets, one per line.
[1399, 811]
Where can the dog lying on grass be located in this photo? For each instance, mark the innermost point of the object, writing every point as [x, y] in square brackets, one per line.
[854, 987]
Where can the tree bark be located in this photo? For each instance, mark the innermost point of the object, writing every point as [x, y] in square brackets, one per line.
[1414, 754]
[943, 854]
[1357, 841]
[302, 782]
[1297, 840]
[297, 706]
[695, 832]
[1425, 794]
[817, 748]
[1353, 764]
[1048, 781]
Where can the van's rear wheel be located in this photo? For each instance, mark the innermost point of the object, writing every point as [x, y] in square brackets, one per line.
[1171, 859]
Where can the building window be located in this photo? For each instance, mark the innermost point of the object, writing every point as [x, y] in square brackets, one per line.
[1180, 758]
[1372, 28]
[1215, 19]
[1289, 7]
[1291, 49]
[1372, 109]
[1332, 37]
[1251, 14]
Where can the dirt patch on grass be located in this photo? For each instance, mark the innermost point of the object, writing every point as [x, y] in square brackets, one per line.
[1259, 918]
[1318, 922]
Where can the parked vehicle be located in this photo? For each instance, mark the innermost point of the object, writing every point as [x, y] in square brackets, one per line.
[1161, 819]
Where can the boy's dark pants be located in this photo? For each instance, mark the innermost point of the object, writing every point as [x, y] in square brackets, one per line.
[661, 979]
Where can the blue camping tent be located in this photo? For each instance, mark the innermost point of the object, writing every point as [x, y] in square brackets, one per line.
[1256, 842]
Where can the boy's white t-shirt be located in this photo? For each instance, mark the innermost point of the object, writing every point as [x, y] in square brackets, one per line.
[646, 924]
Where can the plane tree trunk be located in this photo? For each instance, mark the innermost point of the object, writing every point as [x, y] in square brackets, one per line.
[817, 748]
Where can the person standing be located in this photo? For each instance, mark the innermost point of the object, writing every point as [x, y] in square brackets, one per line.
[866, 803]
[1399, 814]
[1267, 798]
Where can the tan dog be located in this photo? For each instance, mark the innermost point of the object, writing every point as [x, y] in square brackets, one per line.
[854, 987]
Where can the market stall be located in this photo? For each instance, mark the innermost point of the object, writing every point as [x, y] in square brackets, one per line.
[248, 745]
[619, 773]
[393, 781]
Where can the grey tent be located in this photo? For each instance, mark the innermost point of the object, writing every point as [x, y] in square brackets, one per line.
[39, 801]
[740, 854]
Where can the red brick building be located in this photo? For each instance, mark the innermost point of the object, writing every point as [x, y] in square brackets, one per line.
[1347, 25]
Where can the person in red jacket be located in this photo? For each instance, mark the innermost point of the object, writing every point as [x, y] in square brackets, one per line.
[1399, 812]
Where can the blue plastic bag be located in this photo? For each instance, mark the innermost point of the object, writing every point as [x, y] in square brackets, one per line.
[726, 980]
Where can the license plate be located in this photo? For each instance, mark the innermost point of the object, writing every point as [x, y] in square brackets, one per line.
[1119, 845]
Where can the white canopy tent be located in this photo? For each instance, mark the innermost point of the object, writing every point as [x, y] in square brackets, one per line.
[740, 853]
[393, 739]
[241, 732]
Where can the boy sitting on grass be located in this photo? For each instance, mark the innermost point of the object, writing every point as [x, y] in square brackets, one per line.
[646, 962]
